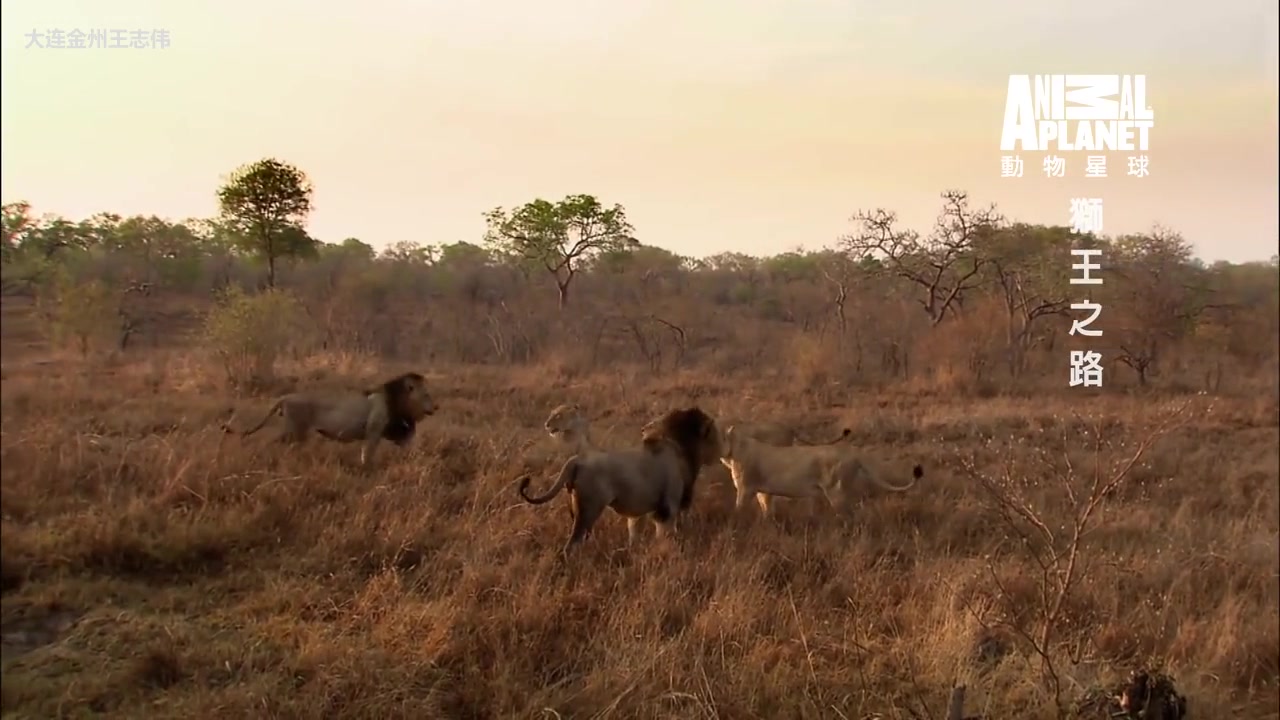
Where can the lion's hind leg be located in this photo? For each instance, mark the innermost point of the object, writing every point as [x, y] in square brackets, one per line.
[667, 505]
[836, 497]
[292, 433]
[766, 504]
[665, 513]
[743, 492]
[665, 530]
[589, 511]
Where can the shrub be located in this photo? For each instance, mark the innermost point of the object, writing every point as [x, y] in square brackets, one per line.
[85, 314]
[249, 333]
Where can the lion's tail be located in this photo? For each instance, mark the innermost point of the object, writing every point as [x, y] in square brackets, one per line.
[845, 434]
[275, 407]
[917, 472]
[567, 475]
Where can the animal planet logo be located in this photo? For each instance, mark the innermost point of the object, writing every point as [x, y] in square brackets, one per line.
[1038, 116]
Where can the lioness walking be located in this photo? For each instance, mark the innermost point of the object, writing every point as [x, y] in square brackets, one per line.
[832, 471]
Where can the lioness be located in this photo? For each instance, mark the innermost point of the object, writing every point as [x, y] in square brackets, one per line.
[765, 470]
[391, 411]
[568, 424]
[656, 479]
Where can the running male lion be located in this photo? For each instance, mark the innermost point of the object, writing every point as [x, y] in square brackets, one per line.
[832, 471]
[389, 411]
[654, 480]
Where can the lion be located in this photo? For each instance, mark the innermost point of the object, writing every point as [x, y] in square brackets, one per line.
[766, 470]
[568, 424]
[773, 433]
[654, 480]
[389, 411]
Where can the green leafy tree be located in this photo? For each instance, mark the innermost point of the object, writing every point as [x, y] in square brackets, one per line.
[559, 236]
[33, 246]
[407, 251]
[297, 244]
[649, 259]
[733, 262]
[1161, 295]
[463, 254]
[104, 233]
[18, 224]
[21, 270]
[266, 204]
[58, 236]
[793, 266]
[356, 248]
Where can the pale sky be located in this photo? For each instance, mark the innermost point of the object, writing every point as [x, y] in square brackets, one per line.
[753, 125]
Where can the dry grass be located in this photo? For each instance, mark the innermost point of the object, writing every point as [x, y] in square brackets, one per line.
[153, 568]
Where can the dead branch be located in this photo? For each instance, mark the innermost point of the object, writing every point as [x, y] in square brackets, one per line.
[1060, 557]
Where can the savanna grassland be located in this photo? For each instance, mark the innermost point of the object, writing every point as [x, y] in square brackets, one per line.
[1060, 538]
[178, 574]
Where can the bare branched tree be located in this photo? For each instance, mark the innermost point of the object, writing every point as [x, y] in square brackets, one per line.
[1029, 284]
[838, 277]
[945, 265]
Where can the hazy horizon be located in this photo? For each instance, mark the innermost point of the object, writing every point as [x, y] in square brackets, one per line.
[753, 127]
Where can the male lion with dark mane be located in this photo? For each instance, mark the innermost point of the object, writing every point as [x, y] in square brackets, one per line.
[830, 471]
[656, 479]
[774, 433]
[390, 411]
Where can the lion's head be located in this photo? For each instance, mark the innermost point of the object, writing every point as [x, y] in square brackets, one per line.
[566, 423]
[770, 432]
[692, 430]
[695, 435]
[407, 402]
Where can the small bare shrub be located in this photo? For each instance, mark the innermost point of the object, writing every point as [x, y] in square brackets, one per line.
[1049, 508]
